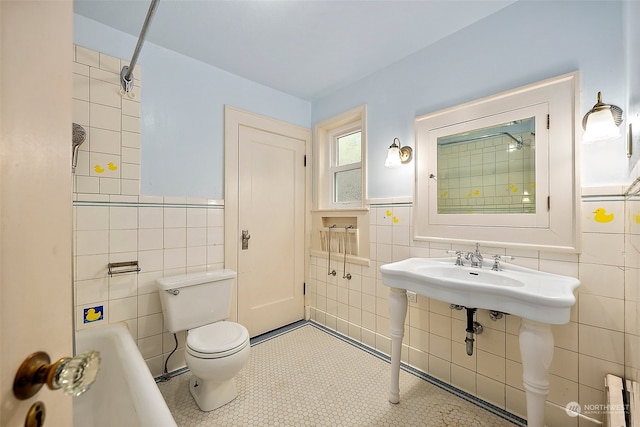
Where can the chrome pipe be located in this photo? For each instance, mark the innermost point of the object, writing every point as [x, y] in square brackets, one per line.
[126, 75]
[331, 272]
[344, 264]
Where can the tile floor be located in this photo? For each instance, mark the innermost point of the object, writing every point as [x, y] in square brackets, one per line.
[310, 377]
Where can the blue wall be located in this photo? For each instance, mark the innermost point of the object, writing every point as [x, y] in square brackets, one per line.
[523, 43]
[182, 112]
[183, 99]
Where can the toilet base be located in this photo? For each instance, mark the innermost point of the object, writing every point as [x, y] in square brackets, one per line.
[210, 395]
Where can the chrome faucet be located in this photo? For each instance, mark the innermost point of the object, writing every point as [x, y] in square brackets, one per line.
[475, 257]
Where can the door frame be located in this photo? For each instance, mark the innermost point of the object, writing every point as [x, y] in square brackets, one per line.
[233, 119]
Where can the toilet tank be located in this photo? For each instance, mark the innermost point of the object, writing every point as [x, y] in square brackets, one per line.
[192, 300]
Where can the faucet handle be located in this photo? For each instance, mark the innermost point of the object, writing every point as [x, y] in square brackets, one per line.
[497, 259]
[458, 254]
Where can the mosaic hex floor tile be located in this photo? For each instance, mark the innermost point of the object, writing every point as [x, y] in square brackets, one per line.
[307, 377]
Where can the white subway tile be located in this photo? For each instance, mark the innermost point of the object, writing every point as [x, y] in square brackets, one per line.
[123, 241]
[87, 56]
[123, 218]
[491, 390]
[149, 303]
[123, 286]
[175, 217]
[150, 346]
[602, 280]
[601, 343]
[147, 279]
[105, 141]
[80, 87]
[91, 266]
[150, 325]
[151, 217]
[490, 365]
[215, 254]
[109, 185]
[81, 69]
[196, 256]
[215, 217]
[106, 76]
[601, 311]
[104, 93]
[175, 258]
[123, 309]
[130, 139]
[175, 237]
[215, 235]
[92, 242]
[196, 237]
[562, 391]
[105, 117]
[150, 238]
[105, 166]
[603, 248]
[91, 291]
[92, 218]
[131, 155]
[593, 370]
[109, 63]
[130, 108]
[80, 113]
[196, 217]
[130, 186]
[131, 124]
[603, 217]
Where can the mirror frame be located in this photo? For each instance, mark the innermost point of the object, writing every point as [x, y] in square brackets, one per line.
[557, 227]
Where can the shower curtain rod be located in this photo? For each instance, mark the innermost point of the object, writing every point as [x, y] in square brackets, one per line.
[491, 135]
[126, 74]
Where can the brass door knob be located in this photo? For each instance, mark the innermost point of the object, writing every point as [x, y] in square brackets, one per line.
[73, 375]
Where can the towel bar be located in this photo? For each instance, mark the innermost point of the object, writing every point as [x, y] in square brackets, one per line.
[128, 266]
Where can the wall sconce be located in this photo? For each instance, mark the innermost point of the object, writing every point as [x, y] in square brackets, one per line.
[398, 155]
[601, 122]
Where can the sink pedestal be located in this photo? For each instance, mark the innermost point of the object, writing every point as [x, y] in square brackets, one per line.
[536, 348]
[536, 351]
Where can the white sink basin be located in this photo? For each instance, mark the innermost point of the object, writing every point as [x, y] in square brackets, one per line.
[530, 294]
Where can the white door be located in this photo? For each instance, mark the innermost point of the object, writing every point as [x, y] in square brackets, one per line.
[271, 206]
[35, 198]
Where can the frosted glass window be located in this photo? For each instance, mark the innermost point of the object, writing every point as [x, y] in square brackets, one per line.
[349, 149]
[348, 186]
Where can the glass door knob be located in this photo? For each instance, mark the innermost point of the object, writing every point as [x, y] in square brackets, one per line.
[74, 375]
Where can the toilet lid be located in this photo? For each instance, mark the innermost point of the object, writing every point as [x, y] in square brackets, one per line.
[217, 338]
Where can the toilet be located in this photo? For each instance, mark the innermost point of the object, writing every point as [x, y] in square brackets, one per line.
[215, 349]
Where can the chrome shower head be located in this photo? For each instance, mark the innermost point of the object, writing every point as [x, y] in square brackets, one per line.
[78, 137]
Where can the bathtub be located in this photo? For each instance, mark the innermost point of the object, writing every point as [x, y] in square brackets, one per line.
[125, 393]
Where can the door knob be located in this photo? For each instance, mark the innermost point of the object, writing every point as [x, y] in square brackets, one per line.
[245, 239]
[73, 375]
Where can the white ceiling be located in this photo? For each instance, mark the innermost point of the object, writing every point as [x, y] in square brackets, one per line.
[306, 48]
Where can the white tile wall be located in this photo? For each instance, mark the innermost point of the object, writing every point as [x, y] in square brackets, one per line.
[602, 337]
[113, 223]
[108, 154]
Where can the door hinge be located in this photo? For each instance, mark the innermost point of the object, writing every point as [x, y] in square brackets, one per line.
[548, 203]
[548, 121]
[304, 288]
[305, 160]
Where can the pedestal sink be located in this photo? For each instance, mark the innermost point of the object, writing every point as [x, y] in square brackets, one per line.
[540, 299]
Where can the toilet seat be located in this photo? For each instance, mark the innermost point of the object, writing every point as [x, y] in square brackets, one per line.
[216, 340]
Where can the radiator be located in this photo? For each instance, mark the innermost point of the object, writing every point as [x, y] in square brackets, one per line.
[622, 406]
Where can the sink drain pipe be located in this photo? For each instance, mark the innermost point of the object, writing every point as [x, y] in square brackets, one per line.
[472, 328]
